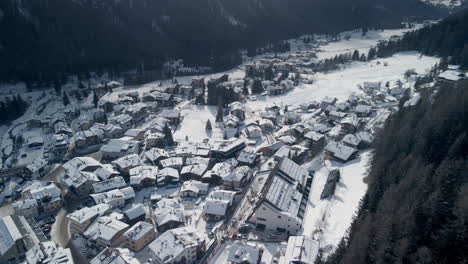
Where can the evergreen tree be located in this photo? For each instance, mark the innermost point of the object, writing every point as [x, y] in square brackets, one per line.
[371, 55]
[245, 88]
[95, 99]
[168, 140]
[208, 126]
[219, 114]
[268, 74]
[356, 55]
[66, 100]
[257, 86]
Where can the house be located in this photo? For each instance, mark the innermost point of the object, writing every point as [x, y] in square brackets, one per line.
[239, 253]
[117, 148]
[452, 77]
[115, 198]
[40, 201]
[168, 214]
[330, 185]
[291, 117]
[272, 148]
[109, 184]
[113, 131]
[231, 121]
[124, 164]
[38, 168]
[80, 220]
[237, 109]
[363, 110]
[248, 158]
[174, 162]
[336, 116]
[267, 125]
[155, 140]
[327, 101]
[275, 90]
[60, 143]
[124, 121]
[300, 250]
[193, 188]
[237, 178]
[216, 174]
[283, 199]
[254, 131]
[48, 252]
[154, 155]
[168, 176]
[315, 139]
[139, 236]
[134, 214]
[80, 182]
[115, 256]
[193, 171]
[217, 205]
[16, 238]
[275, 109]
[350, 124]
[143, 176]
[172, 115]
[186, 246]
[105, 232]
[340, 152]
[227, 148]
[106, 172]
[135, 134]
[138, 111]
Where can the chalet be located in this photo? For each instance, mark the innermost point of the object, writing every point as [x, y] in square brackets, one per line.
[117, 198]
[80, 182]
[363, 110]
[113, 131]
[350, 124]
[155, 140]
[193, 171]
[117, 148]
[125, 163]
[336, 116]
[340, 152]
[300, 250]
[172, 115]
[174, 162]
[139, 236]
[143, 176]
[137, 111]
[275, 90]
[267, 125]
[237, 109]
[216, 174]
[231, 121]
[283, 199]
[168, 176]
[217, 205]
[115, 256]
[105, 232]
[248, 158]
[154, 155]
[109, 184]
[272, 148]
[38, 168]
[239, 253]
[39, 202]
[16, 239]
[168, 214]
[135, 214]
[291, 117]
[327, 101]
[227, 149]
[237, 178]
[452, 77]
[106, 171]
[193, 188]
[187, 246]
[82, 218]
[316, 140]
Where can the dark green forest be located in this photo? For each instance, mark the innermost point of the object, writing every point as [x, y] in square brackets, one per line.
[44, 41]
[448, 39]
[416, 210]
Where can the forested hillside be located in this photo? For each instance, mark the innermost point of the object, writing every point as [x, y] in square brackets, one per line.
[45, 40]
[416, 210]
[449, 38]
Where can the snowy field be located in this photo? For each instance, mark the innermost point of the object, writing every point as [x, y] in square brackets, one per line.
[194, 123]
[342, 83]
[328, 220]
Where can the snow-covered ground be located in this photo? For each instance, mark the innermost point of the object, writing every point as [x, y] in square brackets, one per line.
[328, 220]
[342, 83]
[194, 123]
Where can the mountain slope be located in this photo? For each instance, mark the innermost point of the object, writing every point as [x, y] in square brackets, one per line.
[42, 40]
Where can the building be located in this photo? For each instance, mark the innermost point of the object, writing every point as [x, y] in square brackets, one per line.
[227, 149]
[115, 198]
[242, 254]
[139, 236]
[134, 214]
[340, 152]
[300, 250]
[117, 148]
[41, 201]
[180, 245]
[126, 163]
[237, 178]
[81, 219]
[16, 238]
[452, 77]
[48, 253]
[217, 205]
[105, 232]
[115, 256]
[80, 182]
[193, 188]
[248, 158]
[110, 184]
[172, 115]
[168, 214]
[283, 199]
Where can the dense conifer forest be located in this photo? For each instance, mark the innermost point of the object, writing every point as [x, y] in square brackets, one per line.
[44, 41]
[415, 210]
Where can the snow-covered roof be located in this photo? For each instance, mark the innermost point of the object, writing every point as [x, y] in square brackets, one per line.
[174, 242]
[247, 157]
[452, 75]
[172, 162]
[195, 169]
[215, 207]
[9, 234]
[240, 254]
[121, 146]
[194, 187]
[340, 151]
[351, 140]
[80, 164]
[135, 212]
[113, 183]
[105, 228]
[314, 136]
[155, 154]
[128, 162]
[300, 249]
[87, 213]
[105, 172]
[139, 230]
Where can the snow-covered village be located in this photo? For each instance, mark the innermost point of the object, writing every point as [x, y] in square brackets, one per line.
[264, 163]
